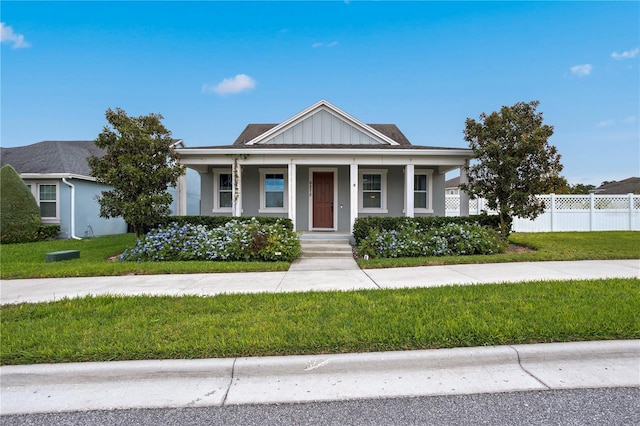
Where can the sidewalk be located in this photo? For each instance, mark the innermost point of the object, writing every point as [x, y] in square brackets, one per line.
[285, 379]
[315, 274]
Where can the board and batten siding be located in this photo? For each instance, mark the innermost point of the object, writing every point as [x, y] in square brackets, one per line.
[322, 128]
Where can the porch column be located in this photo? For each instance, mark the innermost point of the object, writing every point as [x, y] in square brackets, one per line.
[408, 187]
[353, 195]
[464, 196]
[181, 194]
[292, 194]
[236, 206]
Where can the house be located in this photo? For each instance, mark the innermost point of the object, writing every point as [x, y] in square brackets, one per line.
[60, 180]
[323, 168]
[626, 186]
[452, 186]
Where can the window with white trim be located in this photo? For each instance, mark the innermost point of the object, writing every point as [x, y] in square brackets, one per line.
[273, 190]
[222, 190]
[422, 191]
[373, 191]
[46, 196]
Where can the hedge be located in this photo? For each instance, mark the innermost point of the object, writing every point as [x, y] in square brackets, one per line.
[218, 221]
[363, 225]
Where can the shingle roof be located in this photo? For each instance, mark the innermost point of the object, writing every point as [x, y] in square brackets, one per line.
[252, 131]
[627, 186]
[52, 157]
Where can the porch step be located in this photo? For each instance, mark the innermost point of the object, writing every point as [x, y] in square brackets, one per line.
[325, 247]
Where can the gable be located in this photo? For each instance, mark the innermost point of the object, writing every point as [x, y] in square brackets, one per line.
[322, 128]
[322, 124]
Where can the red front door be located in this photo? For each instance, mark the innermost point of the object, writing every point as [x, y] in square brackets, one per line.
[323, 199]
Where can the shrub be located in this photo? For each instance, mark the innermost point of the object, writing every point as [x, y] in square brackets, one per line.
[47, 232]
[218, 221]
[363, 225]
[451, 239]
[19, 215]
[234, 241]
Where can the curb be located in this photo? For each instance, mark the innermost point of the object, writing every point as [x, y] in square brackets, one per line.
[287, 379]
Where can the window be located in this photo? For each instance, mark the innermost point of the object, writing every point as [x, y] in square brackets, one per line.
[48, 201]
[222, 190]
[373, 191]
[422, 191]
[273, 190]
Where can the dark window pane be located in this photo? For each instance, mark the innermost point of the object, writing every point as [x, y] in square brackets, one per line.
[47, 193]
[371, 200]
[371, 182]
[225, 199]
[225, 182]
[47, 209]
[274, 199]
[420, 200]
[420, 183]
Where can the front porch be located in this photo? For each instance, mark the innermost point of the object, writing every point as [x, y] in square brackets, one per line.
[324, 197]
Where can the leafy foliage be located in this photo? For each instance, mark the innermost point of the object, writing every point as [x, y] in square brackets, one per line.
[139, 164]
[363, 225]
[515, 162]
[235, 241]
[20, 215]
[451, 240]
[218, 221]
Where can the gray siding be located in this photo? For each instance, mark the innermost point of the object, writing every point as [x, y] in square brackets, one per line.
[322, 128]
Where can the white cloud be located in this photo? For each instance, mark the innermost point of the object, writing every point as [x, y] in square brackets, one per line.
[611, 122]
[628, 54]
[317, 45]
[8, 36]
[237, 84]
[582, 70]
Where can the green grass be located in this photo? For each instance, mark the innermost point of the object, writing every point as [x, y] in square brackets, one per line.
[546, 246]
[126, 328]
[28, 260]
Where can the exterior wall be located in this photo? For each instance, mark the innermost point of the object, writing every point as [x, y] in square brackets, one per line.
[343, 199]
[206, 193]
[438, 194]
[251, 190]
[88, 222]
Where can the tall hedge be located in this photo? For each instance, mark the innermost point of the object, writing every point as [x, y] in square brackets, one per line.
[20, 215]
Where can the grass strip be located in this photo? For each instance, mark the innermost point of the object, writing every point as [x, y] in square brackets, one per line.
[128, 328]
[546, 246]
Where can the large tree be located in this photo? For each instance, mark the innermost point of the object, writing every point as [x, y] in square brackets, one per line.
[513, 161]
[140, 164]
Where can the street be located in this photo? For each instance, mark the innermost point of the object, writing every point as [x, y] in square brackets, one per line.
[607, 406]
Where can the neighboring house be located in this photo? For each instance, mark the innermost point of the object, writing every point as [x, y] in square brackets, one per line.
[627, 186]
[452, 186]
[323, 168]
[60, 180]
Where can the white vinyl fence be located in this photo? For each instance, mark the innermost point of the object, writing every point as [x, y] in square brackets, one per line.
[570, 213]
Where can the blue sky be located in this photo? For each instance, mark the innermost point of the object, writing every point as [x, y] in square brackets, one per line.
[210, 68]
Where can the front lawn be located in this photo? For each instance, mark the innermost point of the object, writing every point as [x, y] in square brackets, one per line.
[28, 260]
[126, 328]
[96, 259]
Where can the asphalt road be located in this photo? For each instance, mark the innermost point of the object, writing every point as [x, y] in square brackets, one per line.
[612, 406]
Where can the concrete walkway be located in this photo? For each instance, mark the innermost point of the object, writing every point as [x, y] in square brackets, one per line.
[228, 381]
[313, 274]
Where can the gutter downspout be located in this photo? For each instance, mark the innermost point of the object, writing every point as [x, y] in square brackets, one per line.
[73, 208]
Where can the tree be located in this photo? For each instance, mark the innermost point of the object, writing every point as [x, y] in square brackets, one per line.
[514, 161]
[20, 215]
[139, 163]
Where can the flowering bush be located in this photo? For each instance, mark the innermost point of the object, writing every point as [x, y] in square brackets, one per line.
[450, 239]
[244, 241]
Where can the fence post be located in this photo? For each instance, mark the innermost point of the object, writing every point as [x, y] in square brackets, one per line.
[592, 211]
[630, 212]
[552, 201]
